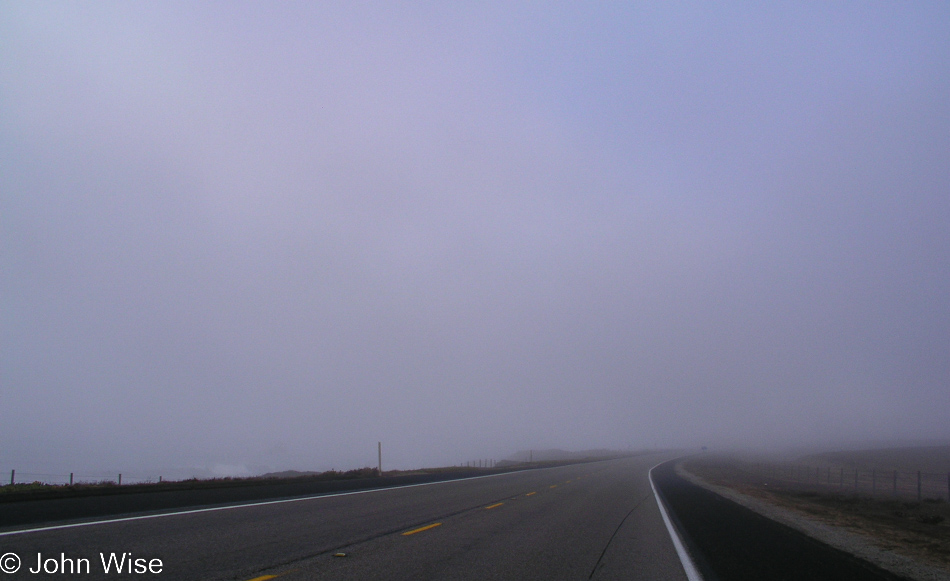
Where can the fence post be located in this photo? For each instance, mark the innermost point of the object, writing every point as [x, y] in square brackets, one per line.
[918, 486]
[70, 478]
[12, 477]
[120, 479]
[159, 478]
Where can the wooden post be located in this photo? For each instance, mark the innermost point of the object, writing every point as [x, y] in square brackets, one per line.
[70, 478]
[120, 479]
[12, 477]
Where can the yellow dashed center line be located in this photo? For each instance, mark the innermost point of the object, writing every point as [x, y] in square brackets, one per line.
[553, 486]
[494, 505]
[418, 530]
[530, 493]
[268, 577]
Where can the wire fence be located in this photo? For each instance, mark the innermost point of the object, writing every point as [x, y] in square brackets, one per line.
[861, 481]
[73, 478]
[481, 463]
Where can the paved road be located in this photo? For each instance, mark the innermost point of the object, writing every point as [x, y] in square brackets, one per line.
[587, 521]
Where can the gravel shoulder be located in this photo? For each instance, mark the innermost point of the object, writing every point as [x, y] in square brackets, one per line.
[900, 549]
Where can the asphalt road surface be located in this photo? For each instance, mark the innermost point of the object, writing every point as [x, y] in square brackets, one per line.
[586, 521]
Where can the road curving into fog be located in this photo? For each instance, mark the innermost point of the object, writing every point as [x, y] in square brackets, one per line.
[586, 521]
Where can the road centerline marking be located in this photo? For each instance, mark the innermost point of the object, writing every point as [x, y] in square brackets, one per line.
[420, 529]
[494, 505]
[268, 577]
[553, 486]
[530, 493]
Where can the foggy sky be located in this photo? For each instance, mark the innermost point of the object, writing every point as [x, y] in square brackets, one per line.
[245, 237]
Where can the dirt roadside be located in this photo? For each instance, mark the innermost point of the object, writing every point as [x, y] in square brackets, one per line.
[910, 539]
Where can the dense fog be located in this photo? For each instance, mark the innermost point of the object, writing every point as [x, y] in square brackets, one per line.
[244, 237]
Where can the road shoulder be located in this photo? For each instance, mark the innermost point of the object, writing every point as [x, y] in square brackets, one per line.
[837, 537]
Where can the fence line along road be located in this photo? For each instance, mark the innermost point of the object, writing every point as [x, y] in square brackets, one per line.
[73, 478]
[868, 482]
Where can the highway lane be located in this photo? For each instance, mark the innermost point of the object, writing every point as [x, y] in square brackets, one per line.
[596, 520]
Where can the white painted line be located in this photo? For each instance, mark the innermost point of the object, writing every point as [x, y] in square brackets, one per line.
[688, 566]
[234, 506]
[262, 503]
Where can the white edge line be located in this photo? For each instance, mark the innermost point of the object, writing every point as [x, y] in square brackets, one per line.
[264, 503]
[688, 566]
